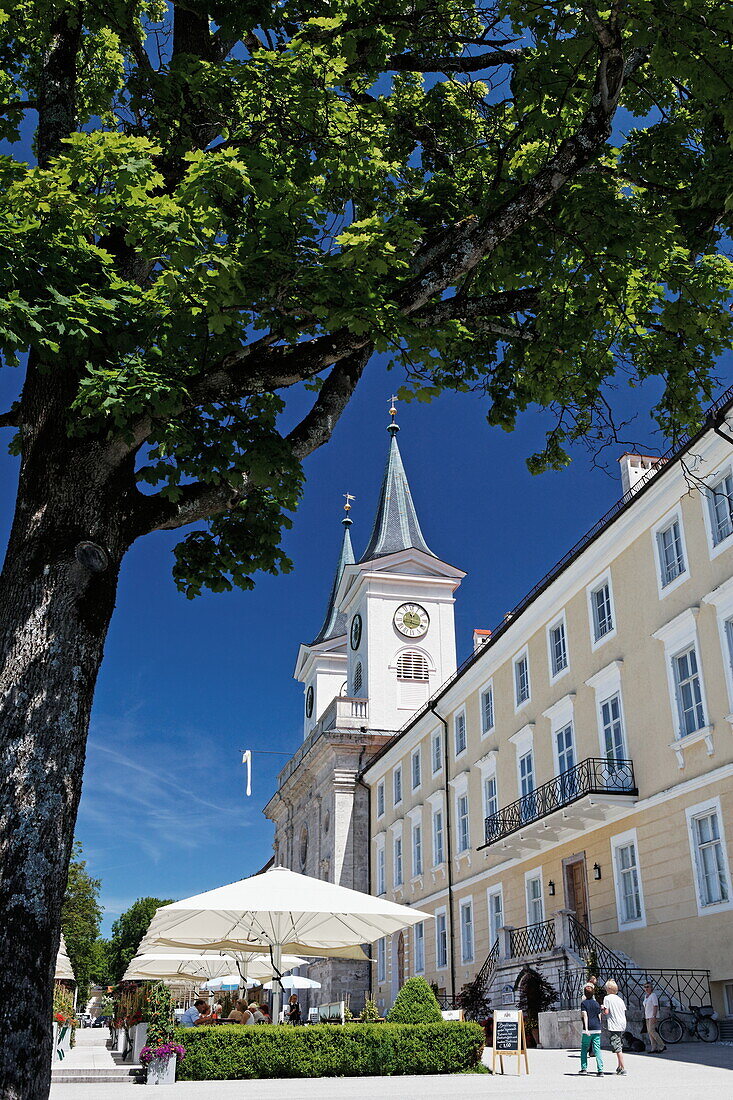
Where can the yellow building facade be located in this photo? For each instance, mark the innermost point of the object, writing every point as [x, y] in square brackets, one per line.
[568, 794]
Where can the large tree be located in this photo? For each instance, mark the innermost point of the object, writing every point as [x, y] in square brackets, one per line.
[127, 932]
[81, 916]
[228, 200]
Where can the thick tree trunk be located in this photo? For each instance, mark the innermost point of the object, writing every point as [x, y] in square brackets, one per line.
[57, 593]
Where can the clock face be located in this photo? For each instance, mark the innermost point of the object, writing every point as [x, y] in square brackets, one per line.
[309, 702]
[412, 620]
[355, 631]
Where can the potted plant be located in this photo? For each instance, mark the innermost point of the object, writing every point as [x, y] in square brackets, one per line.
[535, 995]
[160, 1062]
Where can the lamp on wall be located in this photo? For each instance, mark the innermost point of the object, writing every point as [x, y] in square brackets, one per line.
[596, 870]
[551, 888]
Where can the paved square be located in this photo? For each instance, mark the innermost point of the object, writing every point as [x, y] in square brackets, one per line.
[690, 1071]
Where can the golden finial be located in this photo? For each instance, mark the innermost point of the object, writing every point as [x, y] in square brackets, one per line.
[393, 426]
[347, 507]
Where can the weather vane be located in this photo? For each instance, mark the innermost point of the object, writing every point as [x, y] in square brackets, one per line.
[393, 426]
[348, 497]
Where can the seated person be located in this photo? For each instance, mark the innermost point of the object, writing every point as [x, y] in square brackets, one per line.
[197, 1014]
[257, 1017]
[238, 1012]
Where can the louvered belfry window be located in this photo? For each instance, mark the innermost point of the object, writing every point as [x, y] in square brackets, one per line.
[412, 666]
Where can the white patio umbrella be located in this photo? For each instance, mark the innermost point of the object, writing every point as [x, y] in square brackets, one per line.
[172, 963]
[295, 981]
[279, 911]
[64, 970]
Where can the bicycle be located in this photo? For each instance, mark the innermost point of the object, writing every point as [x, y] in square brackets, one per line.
[672, 1028]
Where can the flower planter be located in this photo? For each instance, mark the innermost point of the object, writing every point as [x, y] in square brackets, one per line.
[162, 1071]
[139, 1039]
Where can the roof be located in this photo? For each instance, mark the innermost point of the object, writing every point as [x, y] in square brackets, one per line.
[662, 465]
[396, 526]
[334, 625]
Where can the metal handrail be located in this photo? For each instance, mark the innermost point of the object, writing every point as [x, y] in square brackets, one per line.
[486, 972]
[532, 939]
[586, 944]
[679, 989]
[595, 775]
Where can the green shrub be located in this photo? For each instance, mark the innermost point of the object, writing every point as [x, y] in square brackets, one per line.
[369, 1013]
[415, 1004]
[233, 1053]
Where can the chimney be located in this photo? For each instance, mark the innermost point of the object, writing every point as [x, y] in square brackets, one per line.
[635, 470]
[480, 637]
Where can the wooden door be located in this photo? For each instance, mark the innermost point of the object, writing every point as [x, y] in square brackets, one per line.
[576, 894]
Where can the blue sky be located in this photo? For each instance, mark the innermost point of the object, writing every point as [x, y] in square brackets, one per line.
[185, 685]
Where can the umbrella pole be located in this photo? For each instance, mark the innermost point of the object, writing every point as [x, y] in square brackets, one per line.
[276, 952]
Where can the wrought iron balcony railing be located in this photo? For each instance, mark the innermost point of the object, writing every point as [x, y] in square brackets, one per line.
[533, 939]
[595, 775]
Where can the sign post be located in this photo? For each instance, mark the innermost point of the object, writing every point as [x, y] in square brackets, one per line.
[509, 1038]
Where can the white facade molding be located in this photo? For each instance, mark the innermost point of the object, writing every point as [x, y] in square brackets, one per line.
[459, 782]
[622, 840]
[598, 582]
[721, 598]
[396, 827]
[558, 620]
[436, 800]
[663, 590]
[682, 743]
[691, 812]
[607, 680]
[561, 713]
[487, 763]
[679, 633]
[523, 739]
[679, 630]
[414, 816]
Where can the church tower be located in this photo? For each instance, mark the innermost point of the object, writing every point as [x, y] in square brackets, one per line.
[386, 644]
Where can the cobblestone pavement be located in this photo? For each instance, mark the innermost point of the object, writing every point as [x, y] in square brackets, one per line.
[689, 1071]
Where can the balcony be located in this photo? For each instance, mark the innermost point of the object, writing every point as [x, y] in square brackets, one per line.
[344, 713]
[595, 791]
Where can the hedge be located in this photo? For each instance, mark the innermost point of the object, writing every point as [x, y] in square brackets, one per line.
[231, 1053]
[416, 1004]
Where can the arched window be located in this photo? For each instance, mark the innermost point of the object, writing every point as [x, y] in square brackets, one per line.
[411, 665]
[358, 680]
[412, 680]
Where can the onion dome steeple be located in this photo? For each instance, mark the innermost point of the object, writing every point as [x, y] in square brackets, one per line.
[334, 625]
[396, 525]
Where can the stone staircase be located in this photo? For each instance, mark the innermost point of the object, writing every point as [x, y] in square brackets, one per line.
[91, 1061]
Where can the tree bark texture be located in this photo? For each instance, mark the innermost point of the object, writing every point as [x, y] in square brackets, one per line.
[57, 593]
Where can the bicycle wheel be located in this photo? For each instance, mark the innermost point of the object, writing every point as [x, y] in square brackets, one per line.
[706, 1029]
[670, 1030]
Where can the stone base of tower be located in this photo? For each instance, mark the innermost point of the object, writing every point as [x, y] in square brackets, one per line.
[341, 980]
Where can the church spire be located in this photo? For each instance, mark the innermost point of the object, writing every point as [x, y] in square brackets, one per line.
[396, 525]
[334, 625]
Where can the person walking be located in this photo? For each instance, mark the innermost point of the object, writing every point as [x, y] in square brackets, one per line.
[590, 1012]
[614, 1010]
[651, 1017]
[294, 1009]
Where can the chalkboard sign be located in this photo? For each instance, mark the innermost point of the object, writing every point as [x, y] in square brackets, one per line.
[506, 1032]
[509, 1038]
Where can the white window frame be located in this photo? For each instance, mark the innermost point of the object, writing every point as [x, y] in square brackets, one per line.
[381, 800]
[523, 741]
[418, 947]
[458, 718]
[561, 621]
[416, 755]
[677, 636]
[674, 515]
[398, 861]
[462, 847]
[560, 715]
[417, 871]
[726, 470]
[488, 688]
[436, 738]
[438, 809]
[491, 892]
[606, 683]
[380, 867]
[622, 840]
[599, 582]
[721, 599]
[441, 912]
[382, 960]
[397, 772]
[523, 655]
[531, 876]
[467, 957]
[700, 810]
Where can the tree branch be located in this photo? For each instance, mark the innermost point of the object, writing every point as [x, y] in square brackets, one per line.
[11, 418]
[450, 63]
[199, 501]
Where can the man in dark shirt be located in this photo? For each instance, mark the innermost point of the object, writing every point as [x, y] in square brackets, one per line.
[590, 1012]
